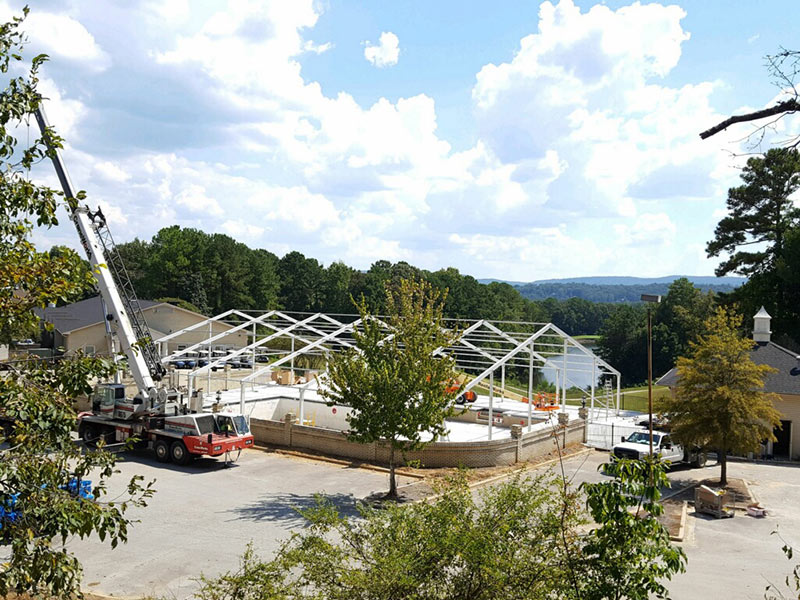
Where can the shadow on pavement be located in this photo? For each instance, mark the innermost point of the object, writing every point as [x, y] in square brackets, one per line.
[197, 465]
[284, 508]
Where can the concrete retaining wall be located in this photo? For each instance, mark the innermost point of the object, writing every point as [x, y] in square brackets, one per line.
[527, 446]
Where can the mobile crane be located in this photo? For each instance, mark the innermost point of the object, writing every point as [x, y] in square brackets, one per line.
[174, 426]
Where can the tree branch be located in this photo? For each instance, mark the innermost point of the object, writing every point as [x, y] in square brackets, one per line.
[787, 106]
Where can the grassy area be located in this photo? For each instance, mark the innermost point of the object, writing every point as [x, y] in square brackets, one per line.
[634, 398]
[586, 338]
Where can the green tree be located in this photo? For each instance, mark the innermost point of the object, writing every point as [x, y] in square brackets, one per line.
[302, 282]
[720, 403]
[399, 391]
[338, 280]
[678, 320]
[41, 469]
[760, 213]
[623, 342]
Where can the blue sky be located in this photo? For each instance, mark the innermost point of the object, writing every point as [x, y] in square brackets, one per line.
[516, 140]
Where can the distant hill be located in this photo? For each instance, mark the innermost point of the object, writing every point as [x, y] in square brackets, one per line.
[622, 280]
[514, 283]
[617, 292]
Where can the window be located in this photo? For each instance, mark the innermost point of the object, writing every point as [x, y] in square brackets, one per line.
[89, 350]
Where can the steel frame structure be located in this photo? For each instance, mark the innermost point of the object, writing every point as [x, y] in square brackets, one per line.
[482, 348]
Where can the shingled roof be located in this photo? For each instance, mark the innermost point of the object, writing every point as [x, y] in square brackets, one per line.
[80, 314]
[785, 381]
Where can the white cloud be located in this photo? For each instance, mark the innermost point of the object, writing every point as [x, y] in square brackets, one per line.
[310, 46]
[240, 229]
[64, 114]
[582, 153]
[110, 172]
[194, 198]
[385, 53]
[63, 37]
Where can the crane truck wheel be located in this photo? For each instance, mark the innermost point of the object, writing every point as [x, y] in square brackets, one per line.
[162, 451]
[180, 455]
[89, 434]
[700, 460]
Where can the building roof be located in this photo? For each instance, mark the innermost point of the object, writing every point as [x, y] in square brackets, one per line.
[785, 381]
[80, 314]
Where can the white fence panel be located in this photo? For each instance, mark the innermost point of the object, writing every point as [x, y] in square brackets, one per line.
[606, 435]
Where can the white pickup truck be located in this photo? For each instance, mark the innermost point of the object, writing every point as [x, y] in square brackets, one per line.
[637, 445]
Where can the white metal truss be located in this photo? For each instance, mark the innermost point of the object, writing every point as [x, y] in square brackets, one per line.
[482, 348]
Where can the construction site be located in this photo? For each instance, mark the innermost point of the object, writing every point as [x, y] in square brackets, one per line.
[277, 376]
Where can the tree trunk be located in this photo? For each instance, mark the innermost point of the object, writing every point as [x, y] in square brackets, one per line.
[392, 481]
[723, 476]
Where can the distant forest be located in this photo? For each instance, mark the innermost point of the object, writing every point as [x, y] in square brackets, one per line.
[211, 273]
[604, 292]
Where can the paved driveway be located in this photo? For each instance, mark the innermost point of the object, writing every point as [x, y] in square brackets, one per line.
[203, 515]
[728, 558]
[737, 558]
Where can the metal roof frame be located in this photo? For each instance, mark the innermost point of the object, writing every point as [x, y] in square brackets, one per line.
[485, 346]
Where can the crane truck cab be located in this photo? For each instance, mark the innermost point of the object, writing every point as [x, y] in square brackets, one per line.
[637, 446]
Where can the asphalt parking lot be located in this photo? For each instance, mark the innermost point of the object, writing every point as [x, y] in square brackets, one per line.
[203, 515]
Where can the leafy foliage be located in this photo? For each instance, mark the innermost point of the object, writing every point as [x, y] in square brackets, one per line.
[720, 403]
[519, 539]
[791, 582]
[38, 458]
[41, 458]
[399, 390]
[630, 554]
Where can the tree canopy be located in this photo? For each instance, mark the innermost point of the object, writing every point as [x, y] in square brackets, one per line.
[762, 216]
[720, 403]
[678, 320]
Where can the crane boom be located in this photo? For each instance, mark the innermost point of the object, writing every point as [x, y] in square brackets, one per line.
[143, 357]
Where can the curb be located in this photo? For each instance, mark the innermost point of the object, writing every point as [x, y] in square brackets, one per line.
[679, 491]
[678, 537]
[749, 492]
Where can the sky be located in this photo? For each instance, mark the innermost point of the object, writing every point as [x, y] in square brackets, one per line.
[516, 140]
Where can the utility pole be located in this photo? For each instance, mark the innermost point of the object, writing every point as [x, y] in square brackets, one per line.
[650, 299]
